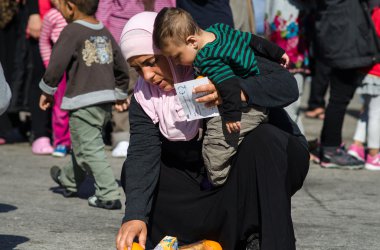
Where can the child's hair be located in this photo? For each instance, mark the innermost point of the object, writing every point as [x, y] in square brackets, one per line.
[173, 23]
[87, 7]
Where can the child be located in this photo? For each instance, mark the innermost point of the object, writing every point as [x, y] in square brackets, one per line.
[222, 54]
[94, 63]
[52, 26]
[369, 119]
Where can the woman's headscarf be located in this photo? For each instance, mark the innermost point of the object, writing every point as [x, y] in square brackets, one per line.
[161, 106]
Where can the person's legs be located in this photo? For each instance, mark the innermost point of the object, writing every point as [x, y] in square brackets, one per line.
[357, 148]
[373, 142]
[40, 124]
[257, 191]
[120, 122]
[343, 86]
[281, 163]
[60, 118]
[86, 126]
[342, 89]
[318, 89]
[294, 109]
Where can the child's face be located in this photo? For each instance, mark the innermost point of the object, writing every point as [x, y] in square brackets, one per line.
[181, 53]
[55, 3]
[66, 10]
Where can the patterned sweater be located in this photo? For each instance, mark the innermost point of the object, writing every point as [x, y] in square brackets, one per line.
[96, 70]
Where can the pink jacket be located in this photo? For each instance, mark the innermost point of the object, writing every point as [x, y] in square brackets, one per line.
[115, 13]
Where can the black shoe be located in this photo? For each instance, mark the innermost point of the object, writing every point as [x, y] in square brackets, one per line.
[337, 157]
[93, 201]
[55, 173]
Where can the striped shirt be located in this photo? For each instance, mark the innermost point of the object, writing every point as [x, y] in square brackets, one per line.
[228, 56]
[52, 26]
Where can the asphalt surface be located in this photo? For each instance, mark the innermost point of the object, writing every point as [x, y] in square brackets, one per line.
[336, 209]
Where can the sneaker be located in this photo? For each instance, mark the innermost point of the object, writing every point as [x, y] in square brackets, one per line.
[121, 149]
[337, 157]
[93, 201]
[60, 151]
[373, 162]
[357, 152]
[55, 173]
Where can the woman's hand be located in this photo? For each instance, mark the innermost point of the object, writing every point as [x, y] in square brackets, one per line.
[122, 105]
[128, 232]
[211, 97]
[34, 26]
[285, 60]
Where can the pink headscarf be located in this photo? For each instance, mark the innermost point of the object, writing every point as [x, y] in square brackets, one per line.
[161, 106]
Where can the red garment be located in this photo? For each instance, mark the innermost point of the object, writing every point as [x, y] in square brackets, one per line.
[44, 6]
[375, 69]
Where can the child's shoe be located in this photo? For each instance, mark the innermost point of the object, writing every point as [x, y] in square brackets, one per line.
[121, 149]
[60, 151]
[373, 162]
[94, 201]
[42, 146]
[357, 152]
[55, 174]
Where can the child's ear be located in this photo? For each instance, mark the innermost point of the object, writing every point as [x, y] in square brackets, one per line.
[192, 41]
[70, 5]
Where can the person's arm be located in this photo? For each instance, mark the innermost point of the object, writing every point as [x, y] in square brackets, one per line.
[34, 25]
[121, 73]
[59, 60]
[264, 48]
[141, 168]
[44, 41]
[5, 92]
[274, 87]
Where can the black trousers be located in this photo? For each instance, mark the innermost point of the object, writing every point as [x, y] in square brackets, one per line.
[41, 123]
[268, 169]
[342, 89]
[319, 85]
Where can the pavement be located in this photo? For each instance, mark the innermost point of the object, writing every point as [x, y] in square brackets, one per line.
[336, 209]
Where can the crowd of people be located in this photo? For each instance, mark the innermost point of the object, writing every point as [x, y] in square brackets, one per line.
[85, 73]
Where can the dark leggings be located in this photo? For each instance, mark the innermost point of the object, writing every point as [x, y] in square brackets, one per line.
[41, 125]
[342, 89]
[319, 85]
[269, 168]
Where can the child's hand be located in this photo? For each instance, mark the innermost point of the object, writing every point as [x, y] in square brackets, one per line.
[233, 127]
[46, 101]
[285, 61]
[122, 105]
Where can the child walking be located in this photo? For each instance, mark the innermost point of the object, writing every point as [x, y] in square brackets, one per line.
[52, 26]
[96, 76]
[222, 54]
[368, 128]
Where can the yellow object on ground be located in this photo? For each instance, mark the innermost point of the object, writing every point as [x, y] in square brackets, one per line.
[135, 246]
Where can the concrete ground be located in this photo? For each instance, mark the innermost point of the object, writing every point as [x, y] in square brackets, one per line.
[336, 209]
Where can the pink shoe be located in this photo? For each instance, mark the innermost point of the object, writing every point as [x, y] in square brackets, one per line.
[357, 152]
[373, 162]
[2, 141]
[42, 146]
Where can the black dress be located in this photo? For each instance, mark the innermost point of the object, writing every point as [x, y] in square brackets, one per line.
[163, 182]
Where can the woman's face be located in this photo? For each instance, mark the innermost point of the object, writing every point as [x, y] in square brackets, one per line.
[154, 69]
